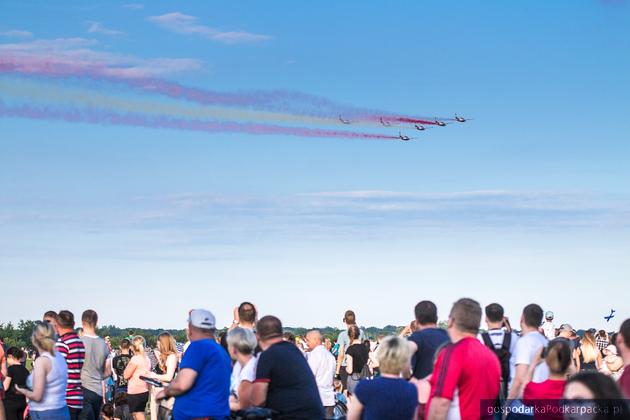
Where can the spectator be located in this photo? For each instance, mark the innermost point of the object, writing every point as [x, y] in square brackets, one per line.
[47, 399]
[51, 318]
[119, 364]
[96, 367]
[623, 346]
[465, 381]
[3, 374]
[167, 364]
[426, 339]
[14, 402]
[612, 364]
[502, 341]
[137, 389]
[588, 354]
[548, 329]
[70, 346]
[528, 346]
[107, 412]
[245, 316]
[597, 392]
[544, 396]
[388, 396]
[322, 364]
[328, 344]
[202, 386]
[241, 346]
[357, 358]
[343, 341]
[284, 381]
[602, 340]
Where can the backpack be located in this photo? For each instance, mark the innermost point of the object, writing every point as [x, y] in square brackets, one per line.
[503, 353]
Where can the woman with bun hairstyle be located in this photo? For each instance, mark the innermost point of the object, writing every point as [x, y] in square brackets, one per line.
[547, 394]
[47, 383]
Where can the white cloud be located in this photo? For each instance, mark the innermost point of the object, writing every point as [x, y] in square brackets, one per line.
[98, 28]
[15, 33]
[187, 25]
[83, 55]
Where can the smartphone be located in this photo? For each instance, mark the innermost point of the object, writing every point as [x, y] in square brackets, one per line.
[152, 381]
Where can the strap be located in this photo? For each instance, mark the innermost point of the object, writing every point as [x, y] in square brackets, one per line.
[507, 340]
[487, 340]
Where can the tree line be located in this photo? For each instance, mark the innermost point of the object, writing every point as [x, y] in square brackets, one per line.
[19, 335]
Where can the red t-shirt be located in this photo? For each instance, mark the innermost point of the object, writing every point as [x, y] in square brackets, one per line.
[466, 373]
[545, 398]
[624, 382]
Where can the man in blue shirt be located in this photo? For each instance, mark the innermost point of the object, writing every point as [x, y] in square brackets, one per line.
[202, 386]
[426, 339]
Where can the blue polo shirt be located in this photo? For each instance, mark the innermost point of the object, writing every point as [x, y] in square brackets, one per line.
[209, 395]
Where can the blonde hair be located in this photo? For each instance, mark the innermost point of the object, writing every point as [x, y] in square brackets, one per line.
[589, 347]
[393, 355]
[44, 337]
[138, 344]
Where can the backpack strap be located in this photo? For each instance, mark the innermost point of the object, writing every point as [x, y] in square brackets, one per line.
[507, 341]
[487, 340]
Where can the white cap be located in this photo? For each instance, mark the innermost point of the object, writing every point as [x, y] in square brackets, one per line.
[548, 315]
[202, 318]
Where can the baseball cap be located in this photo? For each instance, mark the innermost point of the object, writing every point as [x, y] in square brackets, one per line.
[566, 327]
[548, 315]
[202, 318]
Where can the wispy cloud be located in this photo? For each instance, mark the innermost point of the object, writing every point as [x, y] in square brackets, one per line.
[15, 33]
[134, 6]
[99, 28]
[83, 52]
[187, 25]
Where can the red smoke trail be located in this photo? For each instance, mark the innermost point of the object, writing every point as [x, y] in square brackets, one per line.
[280, 101]
[104, 117]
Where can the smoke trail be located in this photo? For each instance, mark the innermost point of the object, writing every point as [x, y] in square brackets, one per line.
[51, 94]
[106, 117]
[276, 101]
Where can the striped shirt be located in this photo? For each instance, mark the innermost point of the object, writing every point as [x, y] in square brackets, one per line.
[71, 348]
[602, 343]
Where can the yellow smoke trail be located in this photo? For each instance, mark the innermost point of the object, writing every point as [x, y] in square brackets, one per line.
[53, 94]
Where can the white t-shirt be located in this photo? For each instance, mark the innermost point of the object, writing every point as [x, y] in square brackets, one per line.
[527, 347]
[496, 336]
[323, 365]
[549, 330]
[243, 373]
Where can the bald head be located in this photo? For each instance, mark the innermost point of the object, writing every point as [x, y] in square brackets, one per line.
[313, 339]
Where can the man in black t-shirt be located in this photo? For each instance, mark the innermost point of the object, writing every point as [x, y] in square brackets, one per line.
[284, 382]
[119, 363]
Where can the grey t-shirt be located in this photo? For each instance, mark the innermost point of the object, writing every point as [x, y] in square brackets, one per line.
[96, 353]
[344, 341]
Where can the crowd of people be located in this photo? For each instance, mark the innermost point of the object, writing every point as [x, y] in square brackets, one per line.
[256, 369]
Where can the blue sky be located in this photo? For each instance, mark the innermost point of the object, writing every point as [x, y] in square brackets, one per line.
[527, 203]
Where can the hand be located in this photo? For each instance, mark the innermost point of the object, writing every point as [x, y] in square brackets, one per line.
[161, 395]
[20, 390]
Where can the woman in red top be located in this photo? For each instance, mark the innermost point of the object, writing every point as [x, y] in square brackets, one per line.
[545, 396]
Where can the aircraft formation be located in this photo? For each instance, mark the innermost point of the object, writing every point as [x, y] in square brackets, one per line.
[422, 125]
